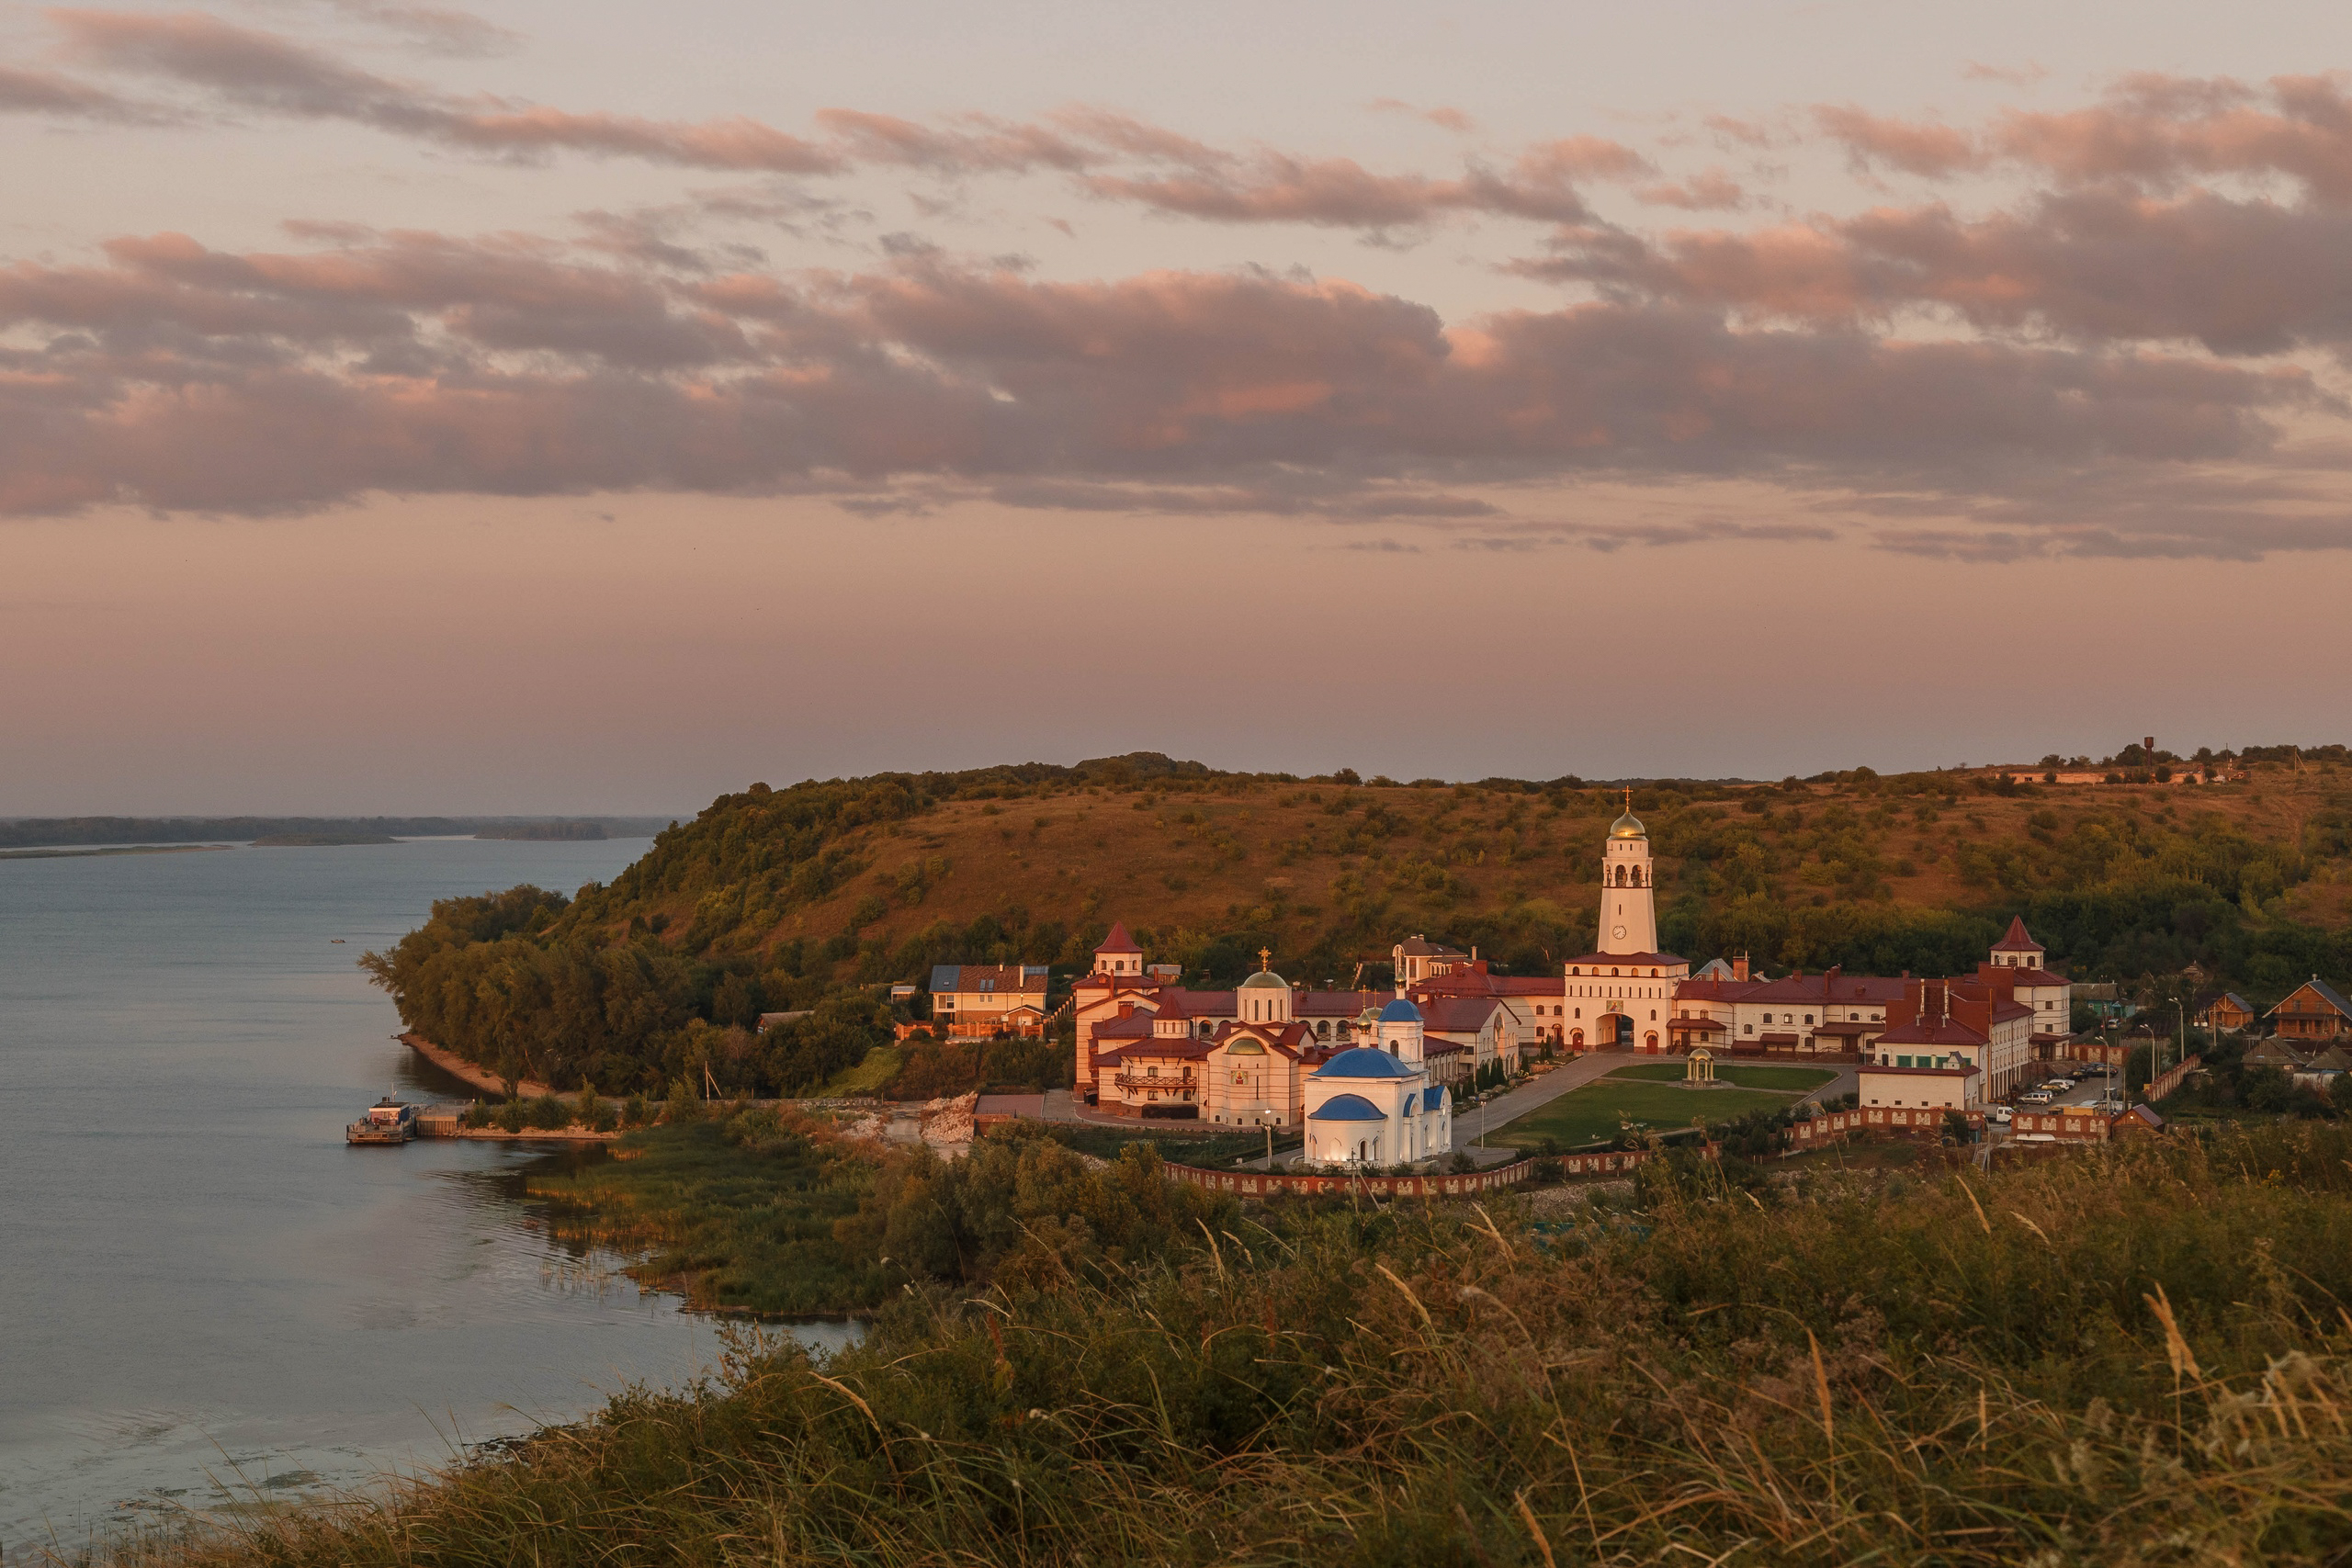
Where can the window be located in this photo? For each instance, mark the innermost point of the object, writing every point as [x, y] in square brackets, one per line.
[1749, 1029]
[1808, 1018]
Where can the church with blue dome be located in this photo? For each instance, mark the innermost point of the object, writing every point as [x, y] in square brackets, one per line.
[1374, 1103]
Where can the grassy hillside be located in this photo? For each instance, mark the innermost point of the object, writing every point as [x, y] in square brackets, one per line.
[2133, 1356]
[790, 898]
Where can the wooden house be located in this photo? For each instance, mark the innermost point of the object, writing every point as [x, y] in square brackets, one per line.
[2313, 1011]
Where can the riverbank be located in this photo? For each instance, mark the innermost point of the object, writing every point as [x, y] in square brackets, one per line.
[458, 1067]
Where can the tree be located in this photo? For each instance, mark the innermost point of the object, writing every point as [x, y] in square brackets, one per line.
[2269, 1090]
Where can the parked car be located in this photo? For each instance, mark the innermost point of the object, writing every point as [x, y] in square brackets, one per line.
[2003, 1115]
[2058, 1086]
[2036, 1097]
[2097, 1070]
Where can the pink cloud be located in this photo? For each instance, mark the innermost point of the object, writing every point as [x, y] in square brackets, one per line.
[182, 377]
[1442, 115]
[261, 72]
[1936, 152]
[1712, 191]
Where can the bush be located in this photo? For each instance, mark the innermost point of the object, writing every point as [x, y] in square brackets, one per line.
[549, 1114]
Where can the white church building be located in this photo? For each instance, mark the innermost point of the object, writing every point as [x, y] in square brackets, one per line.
[1374, 1104]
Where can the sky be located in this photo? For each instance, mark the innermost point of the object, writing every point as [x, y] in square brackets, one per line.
[520, 408]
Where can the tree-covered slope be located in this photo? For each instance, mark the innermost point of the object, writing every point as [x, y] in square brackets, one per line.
[817, 895]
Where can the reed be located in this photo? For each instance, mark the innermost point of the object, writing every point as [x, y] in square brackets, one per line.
[2139, 1355]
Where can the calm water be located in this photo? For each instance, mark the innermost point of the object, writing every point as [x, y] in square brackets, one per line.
[204, 1293]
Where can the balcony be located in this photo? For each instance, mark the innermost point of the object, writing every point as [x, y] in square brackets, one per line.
[1133, 1081]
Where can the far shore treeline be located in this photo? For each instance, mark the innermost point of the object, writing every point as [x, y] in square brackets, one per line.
[816, 897]
[41, 831]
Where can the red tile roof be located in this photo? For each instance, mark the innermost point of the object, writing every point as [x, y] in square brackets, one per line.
[1628, 960]
[1334, 1004]
[1471, 983]
[1118, 941]
[1177, 1003]
[2017, 940]
[1174, 1047]
[1825, 988]
[1292, 1040]
[1422, 947]
[1457, 1015]
[1932, 1031]
[1714, 991]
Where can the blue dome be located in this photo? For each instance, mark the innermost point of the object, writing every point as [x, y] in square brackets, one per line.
[1365, 1062]
[1400, 1011]
[1347, 1108]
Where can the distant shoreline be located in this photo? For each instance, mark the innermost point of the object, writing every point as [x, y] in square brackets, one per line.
[51, 832]
[319, 840]
[110, 849]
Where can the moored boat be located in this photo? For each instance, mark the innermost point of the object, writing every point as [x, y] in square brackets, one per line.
[385, 1122]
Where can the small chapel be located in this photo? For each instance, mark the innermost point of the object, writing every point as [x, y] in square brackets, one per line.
[1373, 1104]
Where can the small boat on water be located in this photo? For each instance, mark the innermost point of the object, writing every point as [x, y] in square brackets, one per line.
[387, 1121]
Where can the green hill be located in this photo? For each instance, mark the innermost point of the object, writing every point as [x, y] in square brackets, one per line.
[817, 896]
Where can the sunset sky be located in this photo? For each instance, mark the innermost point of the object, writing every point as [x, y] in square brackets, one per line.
[560, 408]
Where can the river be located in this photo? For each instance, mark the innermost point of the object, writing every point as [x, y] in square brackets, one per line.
[205, 1298]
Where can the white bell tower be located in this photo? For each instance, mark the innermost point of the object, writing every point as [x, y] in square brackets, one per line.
[1628, 902]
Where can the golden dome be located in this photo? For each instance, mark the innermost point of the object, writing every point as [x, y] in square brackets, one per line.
[1628, 827]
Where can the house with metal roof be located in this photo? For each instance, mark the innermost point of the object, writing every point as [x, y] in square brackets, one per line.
[982, 1001]
[2312, 1013]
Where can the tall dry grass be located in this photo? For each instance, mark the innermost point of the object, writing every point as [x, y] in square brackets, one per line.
[2137, 1355]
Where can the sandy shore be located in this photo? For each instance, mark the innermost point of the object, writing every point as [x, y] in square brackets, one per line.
[457, 1066]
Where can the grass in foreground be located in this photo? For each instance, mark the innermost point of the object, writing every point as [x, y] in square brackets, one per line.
[2140, 1356]
[1740, 1075]
[1592, 1114]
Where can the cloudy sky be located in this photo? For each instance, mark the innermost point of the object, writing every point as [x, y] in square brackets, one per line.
[549, 406]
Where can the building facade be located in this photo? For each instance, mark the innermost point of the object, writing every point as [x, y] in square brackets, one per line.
[980, 1000]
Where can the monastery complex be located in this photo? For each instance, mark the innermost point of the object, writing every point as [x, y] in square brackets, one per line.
[1368, 1074]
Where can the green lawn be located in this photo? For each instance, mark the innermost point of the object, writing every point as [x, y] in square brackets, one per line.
[1789, 1080]
[1590, 1114]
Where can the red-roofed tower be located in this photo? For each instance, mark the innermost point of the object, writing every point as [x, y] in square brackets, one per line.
[1118, 955]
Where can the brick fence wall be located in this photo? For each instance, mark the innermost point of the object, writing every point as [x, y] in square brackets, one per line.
[1249, 1183]
[1887, 1120]
[2078, 1128]
[2159, 1088]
